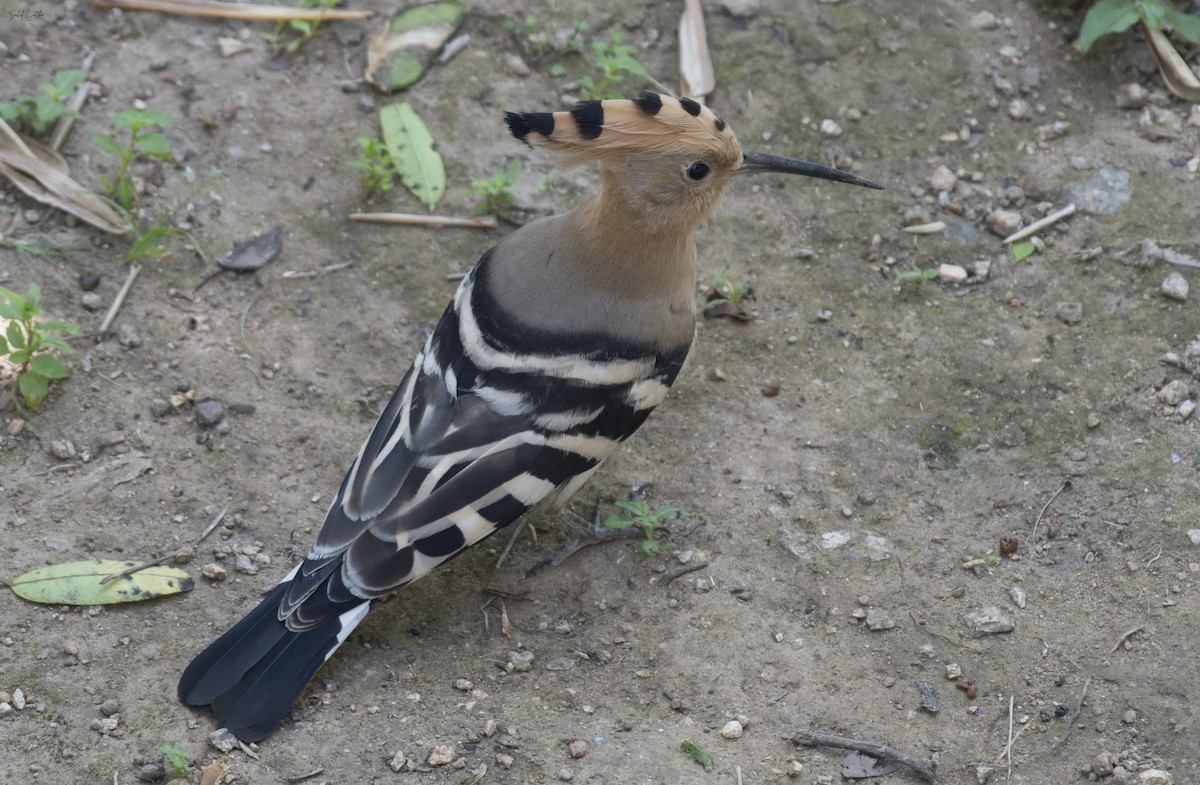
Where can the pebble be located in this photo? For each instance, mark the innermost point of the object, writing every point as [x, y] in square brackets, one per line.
[110, 707]
[62, 449]
[441, 755]
[1018, 596]
[223, 740]
[741, 9]
[988, 621]
[1132, 96]
[1020, 109]
[1173, 392]
[931, 700]
[951, 273]
[127, 336]
[577, 748]
[795, 768]
[1103, 192]
[1185, 409]
[943, 179]
[464, 685]
[91, 301]
[397, 762]
[830, 128]
[88, 281]
[242, 564]
[522, 661]
[504, 761]
[18, 699]
[1194, 536]
[1129, 717]
[209, 412]
[953, 671]
[1175, 286]
[878, 619]
[1155, 777]
[1002, 223]
[1102, 765]
[985, 20]
[5, 708]
[1069, 313]
[716, 375]
[16, 426]
[515, 66]
[732, 730]
[566, 775]
[213, 571]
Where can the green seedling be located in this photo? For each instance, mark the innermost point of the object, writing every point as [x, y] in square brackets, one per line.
[176, 758]
[494, 194]
[377, 167]
[145, 139]
[729, 291]
[917, 276]
[35, 115]
[151, 243]
[1022, 250]
[697, 753]
[289, 36]
[28, 345]
[1117, 16]
[638, 513]
[615, 60]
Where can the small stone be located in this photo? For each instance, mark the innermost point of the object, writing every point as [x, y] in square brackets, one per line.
[1129, 717]
[489, 728]
[1002, 223]
[209, 413]
[1173, 392]
[560, 663]
[732, 730]
[213, 571]
[1093, 420]
[716, 375]
[981, 269]
[931, 700]
[16, 426]
[988, 621]
[91, 301]
[244, 565]
[522, 661]
[830, 128]
[566, 775]
[1069, 313]
[1155, 777]
[151, 772]
[943, 179]
[441, 755]
[110, 707]
[1018, 596]
[1185, 409]
[223, 740]
[795, 768]
[128, 336]
[985, 20]
[18, 699]
[1102, 765]
[878, 619]
[62, 449]
[1194, 536]
[159, 408]
[464, 685]
[951, 273]
[88, 281]
[1175, 286]
[515, 66]
[1131, 96]
[953, 671]
[397, 762]
[1020, 109]
[741, 9]
[504, 761]
[577, 748]
[5, 708]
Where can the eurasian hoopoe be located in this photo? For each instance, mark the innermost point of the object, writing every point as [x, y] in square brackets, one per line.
[556, 347]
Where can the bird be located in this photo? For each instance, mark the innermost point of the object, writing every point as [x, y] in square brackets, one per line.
[555, 348]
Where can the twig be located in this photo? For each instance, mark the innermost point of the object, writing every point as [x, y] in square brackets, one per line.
[329, 268]
[413, 219]
[234, 11]
[739, 774]
[1128, 633]
[511, 541]
[667, 577]
[1037, 226]
[303, 777]
[922, 766]
[1016, 736]
[243, 326]
[169, 556]
[134, 269]
[71, 464]
[1008, 747]
[67, 121]
[15, 138]
[1075, 714]
[1064, 487]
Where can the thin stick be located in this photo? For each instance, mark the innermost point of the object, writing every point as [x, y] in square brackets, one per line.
[1124, 637]
[1008, 747]
[134, 269]
[739, 774]
[169, 556]
[922, 766]
[303, 777]
[1033, 534]
[1038, 226]
[67, 122]
[329, 268]
[1004, 751]
[413, 219]
[15, 138]
[511, 541]
[235, 11]
[667, 577]
[1075, 714]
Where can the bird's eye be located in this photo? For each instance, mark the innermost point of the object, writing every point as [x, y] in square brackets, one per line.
[698, 170]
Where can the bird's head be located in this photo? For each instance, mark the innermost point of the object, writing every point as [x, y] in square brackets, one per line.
[668, 159]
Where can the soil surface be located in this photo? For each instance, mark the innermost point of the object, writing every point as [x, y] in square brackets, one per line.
[849, 460]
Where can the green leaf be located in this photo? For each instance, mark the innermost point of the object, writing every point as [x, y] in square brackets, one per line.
[154, 144]
[643, 673]
[16, 335]
[33, 387]
[34, 297]
[50, 366]
[56, 342]
[1107, 16]
[697, 753]
[59, 325]
[10, 311]
[1187, 26]
[618, 522]
[78, 583]
[3, 346]
[410, 147]
[66, 80]
[1022, 250]
[109, 144]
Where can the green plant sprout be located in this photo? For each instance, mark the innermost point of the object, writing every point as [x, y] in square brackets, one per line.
[176, 758]
[1022, 250]
[1117, 16]
[378, 169]
[289, 36]
[35, 115]
[917, 276]
[494, 194]
[27, 344]
[638, 513]
[143, 140]
[615, 60]
[729, 291]
[150, 243]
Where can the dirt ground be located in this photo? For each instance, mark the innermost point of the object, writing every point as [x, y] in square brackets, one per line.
[850, 523]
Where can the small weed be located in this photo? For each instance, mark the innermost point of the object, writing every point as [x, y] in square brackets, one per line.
[697, 753]
[150, 243]
[638, 513]
[1116, 16]
[727, 298]
[27, 344]
[378, 169]
[494, 194]
[289, 36]
[917, 276]
[144, 140]
[176, 758]
[36, 115]
[615, 60]
[1022, 250]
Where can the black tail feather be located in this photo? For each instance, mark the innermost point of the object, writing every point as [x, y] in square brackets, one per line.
[251, 675]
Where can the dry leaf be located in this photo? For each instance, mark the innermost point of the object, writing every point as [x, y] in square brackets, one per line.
[213, 773]
[697, 78]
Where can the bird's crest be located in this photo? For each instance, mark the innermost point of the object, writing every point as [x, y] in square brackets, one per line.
[650, 124]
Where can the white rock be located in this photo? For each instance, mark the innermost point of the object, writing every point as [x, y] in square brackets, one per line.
[1018, 596]
[985, 20]
[741, 9]
[951, 273]
[441, 755]
[943, 179]
[1003, 222]
[1020, 110]
[1185, 408]
[732, 730]
[1173, 392]
[1194, 536]
[830, 128]
[397, 762]
[1175, 286]
[1155, 777]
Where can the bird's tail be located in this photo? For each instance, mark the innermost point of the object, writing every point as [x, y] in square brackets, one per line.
[250, 676]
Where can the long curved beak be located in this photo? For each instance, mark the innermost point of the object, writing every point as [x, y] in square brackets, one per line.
[762, 162]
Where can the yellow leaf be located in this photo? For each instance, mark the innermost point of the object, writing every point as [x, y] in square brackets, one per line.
[78, 583]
